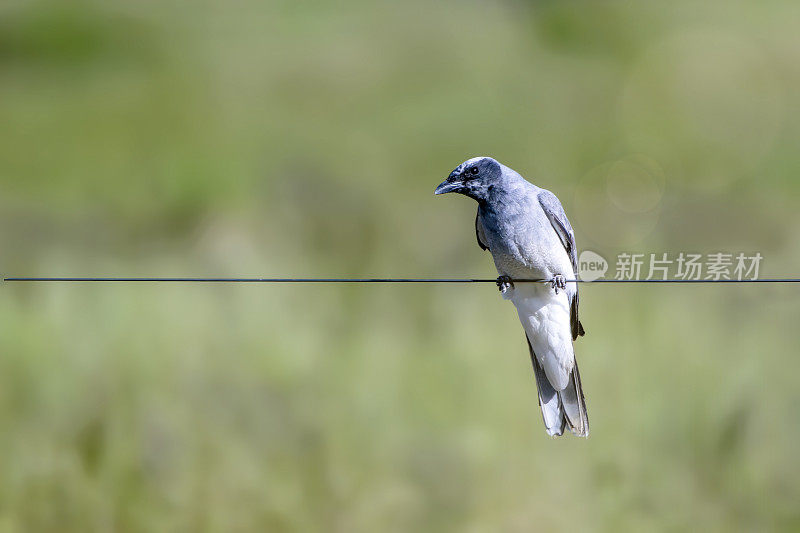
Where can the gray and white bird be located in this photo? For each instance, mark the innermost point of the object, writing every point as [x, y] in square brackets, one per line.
[528, 234]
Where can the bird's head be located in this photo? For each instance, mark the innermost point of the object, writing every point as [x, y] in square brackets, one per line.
[476, 178]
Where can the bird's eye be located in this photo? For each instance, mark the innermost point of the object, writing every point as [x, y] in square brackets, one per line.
[473, 170]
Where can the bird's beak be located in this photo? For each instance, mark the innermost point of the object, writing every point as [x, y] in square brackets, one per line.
[451, 184]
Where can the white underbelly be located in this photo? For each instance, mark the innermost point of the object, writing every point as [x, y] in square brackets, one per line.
[545, 316]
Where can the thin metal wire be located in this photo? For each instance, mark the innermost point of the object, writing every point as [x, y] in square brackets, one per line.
[384, 280]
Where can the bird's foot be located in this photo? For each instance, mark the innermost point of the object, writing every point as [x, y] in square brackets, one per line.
[504, 283]
[558, 282]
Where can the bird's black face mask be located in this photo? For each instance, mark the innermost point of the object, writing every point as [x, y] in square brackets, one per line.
[473, 178]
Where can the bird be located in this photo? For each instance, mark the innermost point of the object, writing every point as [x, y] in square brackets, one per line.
[527, 232]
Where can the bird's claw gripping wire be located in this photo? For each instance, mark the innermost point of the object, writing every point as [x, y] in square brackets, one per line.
[504, 283]
[558, 282]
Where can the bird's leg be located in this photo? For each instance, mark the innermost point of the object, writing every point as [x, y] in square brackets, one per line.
[504, 283]
[559, 282]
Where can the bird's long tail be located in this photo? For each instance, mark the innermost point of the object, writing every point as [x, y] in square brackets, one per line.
[560, 409]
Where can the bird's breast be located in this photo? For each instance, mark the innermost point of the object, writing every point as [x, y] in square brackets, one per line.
[525, 244]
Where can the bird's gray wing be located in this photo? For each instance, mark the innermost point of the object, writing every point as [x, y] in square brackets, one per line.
[558, 218]
[479, 232]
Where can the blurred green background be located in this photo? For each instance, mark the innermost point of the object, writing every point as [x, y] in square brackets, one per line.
[247, 138]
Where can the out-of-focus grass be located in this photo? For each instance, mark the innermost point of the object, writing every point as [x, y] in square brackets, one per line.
[288, 138]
